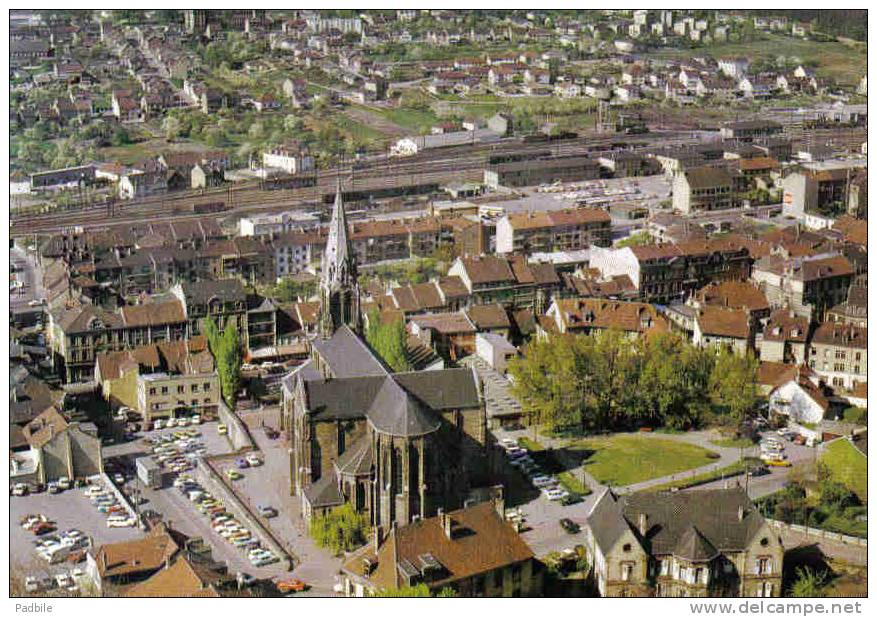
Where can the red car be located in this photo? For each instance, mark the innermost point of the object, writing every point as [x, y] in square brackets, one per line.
[42, 528]
[291, 585]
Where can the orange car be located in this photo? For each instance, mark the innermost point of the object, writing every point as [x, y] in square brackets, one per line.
[290, 586]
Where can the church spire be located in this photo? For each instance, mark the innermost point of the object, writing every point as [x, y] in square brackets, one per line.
[339, 290]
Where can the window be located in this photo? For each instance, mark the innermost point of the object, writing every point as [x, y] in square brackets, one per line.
[194, 387]
[763, 566]
[181, 389]
[207, 386]
[626, 571]
[164, 389]
[497, 578]
[151, 391]
[765, 541]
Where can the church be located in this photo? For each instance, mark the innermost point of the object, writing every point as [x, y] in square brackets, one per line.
[397, 446]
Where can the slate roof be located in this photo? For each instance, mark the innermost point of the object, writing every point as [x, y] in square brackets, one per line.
[225, 290]
[394, 412]
[693, 546]
[324, 492]
[714, 514]
[357, 459]
[347, 355]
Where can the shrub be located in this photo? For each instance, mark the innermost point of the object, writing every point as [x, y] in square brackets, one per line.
[341, 529]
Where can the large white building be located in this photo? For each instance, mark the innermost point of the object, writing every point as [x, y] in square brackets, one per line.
[290, 158]
[265, 224]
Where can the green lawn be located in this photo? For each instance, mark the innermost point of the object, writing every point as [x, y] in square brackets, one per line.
[834, 60]
[627, 459]
[411, 119]
[848, 465]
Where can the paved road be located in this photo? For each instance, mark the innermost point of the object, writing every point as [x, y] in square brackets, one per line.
[29, 274]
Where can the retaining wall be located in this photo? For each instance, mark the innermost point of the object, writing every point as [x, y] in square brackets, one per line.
[210, 479]
[819, 533]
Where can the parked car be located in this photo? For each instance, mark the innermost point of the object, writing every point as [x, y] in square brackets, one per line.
[242, 463]
[254, 460]
[267, 511]
[291, 586]
[569, 526]
[120, 520]
[233, 474]
[572, 498]
[20, 489]
[554, 494]
[222, 429]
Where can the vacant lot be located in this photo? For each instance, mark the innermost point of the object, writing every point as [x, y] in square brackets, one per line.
[848, 465]
[627, 459]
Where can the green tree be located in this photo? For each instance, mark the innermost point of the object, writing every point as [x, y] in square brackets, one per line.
[418, 591]
[289, 290]
[733, 383]
[389, 341]
[120, 137]
[172, 128]
[230, 359]
[808, 584]
[340, 529]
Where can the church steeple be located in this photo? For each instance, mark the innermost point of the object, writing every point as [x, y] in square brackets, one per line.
[339, 289]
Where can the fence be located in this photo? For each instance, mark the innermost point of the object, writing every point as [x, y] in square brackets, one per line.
[818, 533]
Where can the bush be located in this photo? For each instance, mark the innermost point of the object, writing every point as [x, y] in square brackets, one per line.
[341, 529]
[856, 415]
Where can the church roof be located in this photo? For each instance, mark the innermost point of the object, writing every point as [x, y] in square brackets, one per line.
[395, 412]
[324, 492]
[347, 355]
[357, 459]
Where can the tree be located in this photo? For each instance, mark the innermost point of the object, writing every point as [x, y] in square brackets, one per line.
[389, 341]
[808, 583]
[172, 128]
[120, 137]
[418, 591]
[733, 383]
[230, 359]
[290, 290]
[340, 529]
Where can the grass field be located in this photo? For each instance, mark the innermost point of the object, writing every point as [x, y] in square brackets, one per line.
[620, 460]
[729, 471]
[848, 465]
[834, 60]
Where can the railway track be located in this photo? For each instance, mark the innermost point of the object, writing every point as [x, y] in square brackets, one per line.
[454, 164]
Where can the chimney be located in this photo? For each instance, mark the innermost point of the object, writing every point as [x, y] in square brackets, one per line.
[643, 524]
[740, 513]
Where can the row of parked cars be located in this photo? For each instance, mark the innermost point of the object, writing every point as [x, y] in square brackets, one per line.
[224, 522]
[520, 458]
[177, 451]
[773, 452]
[106, 503]
[65, 581]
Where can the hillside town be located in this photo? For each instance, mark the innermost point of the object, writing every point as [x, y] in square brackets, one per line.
[438, 303]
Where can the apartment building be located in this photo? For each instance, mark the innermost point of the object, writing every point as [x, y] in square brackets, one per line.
[541, 171]
[702, 189]
[839, 354]
[76, 334]
[665, 272]
[808, 285]
[563, 230]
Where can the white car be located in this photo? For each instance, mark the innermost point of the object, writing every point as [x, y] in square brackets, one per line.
[554, 494]
[516, 451]
[158, 425]
[170, 423]
[508, 443]
[254, 460]
[544, 481]
[196, 419]
[120, 521]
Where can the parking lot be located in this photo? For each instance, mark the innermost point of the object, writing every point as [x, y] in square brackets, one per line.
[269, 485]
[70, 509]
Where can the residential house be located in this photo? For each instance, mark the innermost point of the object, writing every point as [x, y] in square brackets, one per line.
[682, 544]
[839, 354]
